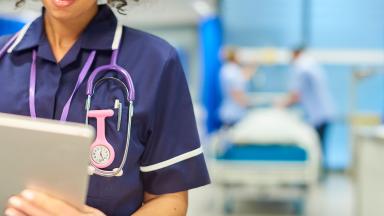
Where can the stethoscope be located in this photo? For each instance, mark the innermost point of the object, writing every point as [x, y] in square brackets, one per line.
[102, 153]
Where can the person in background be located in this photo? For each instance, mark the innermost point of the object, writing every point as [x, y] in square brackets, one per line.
[234, 80]
[309, 88]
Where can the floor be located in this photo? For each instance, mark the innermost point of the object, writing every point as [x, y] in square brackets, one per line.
[333, 197]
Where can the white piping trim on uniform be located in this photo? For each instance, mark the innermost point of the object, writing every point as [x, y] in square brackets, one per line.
[117, 37]
[20, 37]
[172, 161]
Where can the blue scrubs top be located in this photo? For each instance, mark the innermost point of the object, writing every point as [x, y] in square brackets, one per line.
[165, 153]
[308, 79]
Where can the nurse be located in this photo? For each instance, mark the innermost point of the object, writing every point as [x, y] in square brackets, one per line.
[234, 80]
[309, 87]
[165, 158]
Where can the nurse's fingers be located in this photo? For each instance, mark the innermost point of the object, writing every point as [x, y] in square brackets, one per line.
[48, 204]
[13, 212]
[21, 205]
[92, 211]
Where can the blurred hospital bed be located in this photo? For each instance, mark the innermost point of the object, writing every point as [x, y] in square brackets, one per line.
[271, 154]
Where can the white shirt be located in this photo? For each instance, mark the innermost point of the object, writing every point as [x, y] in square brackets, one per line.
[309, 81]
[231, 79]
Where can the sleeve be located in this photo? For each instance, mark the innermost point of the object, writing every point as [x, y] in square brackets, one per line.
[173, 159]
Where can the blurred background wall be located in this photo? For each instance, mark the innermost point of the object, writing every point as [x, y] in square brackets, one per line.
[346, 25]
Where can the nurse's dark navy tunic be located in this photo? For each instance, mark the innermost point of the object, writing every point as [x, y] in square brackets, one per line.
[164, 154]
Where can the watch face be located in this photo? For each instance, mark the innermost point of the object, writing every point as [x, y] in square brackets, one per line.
[100, 154]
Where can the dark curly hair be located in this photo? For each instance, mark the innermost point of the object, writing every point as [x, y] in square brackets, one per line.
[119, 4]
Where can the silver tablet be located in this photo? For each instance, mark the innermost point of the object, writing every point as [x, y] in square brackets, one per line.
[44, 155]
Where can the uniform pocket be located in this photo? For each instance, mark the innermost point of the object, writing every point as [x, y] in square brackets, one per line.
[104, 187]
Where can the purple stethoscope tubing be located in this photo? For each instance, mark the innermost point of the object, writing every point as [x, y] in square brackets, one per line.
[130, 93]
[112, 67]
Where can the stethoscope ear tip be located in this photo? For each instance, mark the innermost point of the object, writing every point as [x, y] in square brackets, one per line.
[118, 173]
[91, 170]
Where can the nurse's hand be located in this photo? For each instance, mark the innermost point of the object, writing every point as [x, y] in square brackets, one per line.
[32, 203]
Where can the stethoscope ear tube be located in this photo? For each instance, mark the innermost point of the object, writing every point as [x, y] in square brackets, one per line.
[119, 70]
[130, 96]
[97, 84]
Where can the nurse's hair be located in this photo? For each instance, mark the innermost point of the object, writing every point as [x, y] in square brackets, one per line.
[229, 54]
[119, 4]
[298, 51]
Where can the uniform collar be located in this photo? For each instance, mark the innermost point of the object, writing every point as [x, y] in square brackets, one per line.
[103, 25]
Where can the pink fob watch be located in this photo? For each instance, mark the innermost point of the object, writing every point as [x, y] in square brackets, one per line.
[102, 153]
